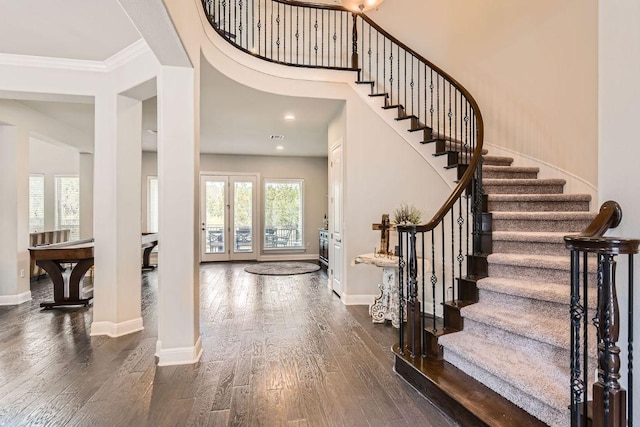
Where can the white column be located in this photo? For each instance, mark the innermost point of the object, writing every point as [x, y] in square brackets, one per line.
[178, 169]
[618, 147]
[86, 195]
[14, 215]
[117, 164]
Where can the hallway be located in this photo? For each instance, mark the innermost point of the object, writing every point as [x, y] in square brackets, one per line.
[278, 350]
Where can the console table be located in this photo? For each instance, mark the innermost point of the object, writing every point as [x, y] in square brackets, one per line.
[386, 305]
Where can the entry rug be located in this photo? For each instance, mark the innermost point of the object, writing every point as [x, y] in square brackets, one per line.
[282, 268]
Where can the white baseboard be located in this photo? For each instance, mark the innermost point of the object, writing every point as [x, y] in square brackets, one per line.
[114, 330]
[289, 257]
[357, 299]
[15, 299]
[178, 355]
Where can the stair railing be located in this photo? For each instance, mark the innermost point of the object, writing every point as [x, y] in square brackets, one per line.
[436, 106]
[612, 405]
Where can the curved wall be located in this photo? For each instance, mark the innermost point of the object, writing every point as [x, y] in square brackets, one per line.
[532, 67]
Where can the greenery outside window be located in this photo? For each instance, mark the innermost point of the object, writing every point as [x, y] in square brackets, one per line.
[36, 203]
[283, 213]
[67, 213]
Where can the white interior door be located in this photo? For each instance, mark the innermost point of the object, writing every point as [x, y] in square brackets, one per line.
[335, 219]
[228, 217]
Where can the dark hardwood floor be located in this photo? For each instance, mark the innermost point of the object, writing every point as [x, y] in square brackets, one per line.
[278, 350]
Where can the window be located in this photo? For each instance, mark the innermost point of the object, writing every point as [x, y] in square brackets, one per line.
[152, 204]
[68, 205]
[36, 203]
[283, 204]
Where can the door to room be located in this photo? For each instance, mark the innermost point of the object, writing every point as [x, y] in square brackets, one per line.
[228, 217]
[335, 220]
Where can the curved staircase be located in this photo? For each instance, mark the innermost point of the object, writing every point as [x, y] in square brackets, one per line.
[497, 309]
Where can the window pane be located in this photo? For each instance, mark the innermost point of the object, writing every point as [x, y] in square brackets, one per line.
[36, 203]
[215, 205]
[243, 216]
[68, 205]
[152, 208]
[283, 214]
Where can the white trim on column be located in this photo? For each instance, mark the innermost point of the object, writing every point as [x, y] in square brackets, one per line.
[357, 299]
[114, 330]
[15, 299]
[179, 355]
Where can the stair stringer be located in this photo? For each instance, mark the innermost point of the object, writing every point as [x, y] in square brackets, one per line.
[401, 127]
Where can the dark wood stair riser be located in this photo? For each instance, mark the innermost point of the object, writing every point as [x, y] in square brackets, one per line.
[477, 265]
[453, 316]
[468, 289]
[432, 348]
[459, 396]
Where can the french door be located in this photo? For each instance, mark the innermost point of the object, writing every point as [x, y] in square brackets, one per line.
[228, 217]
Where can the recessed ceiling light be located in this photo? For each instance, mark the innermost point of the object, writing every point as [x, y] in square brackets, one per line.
[280, 147]
[277, 137]
[289, 116]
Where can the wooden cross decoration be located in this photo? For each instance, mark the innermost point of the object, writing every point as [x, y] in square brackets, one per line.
[384, 227]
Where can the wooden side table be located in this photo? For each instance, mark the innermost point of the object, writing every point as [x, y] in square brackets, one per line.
[387, 305]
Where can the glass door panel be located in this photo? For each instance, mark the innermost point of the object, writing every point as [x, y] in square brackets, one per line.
[214, 218]
[243, 216]
[228, 217]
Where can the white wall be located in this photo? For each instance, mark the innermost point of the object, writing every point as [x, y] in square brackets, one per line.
[619, 109]
[532, 67]
[51, 160]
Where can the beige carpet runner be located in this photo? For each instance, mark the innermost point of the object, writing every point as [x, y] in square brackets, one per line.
[516, 338]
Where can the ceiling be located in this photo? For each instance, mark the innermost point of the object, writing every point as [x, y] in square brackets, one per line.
[235, 119]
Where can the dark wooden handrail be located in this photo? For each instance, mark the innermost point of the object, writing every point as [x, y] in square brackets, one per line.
[313, 5]
[463, 183]
[591, 238]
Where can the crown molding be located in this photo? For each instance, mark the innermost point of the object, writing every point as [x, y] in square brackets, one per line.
[139, 47]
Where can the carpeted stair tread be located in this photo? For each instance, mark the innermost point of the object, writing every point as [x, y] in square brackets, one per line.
[522, 186]
[527, 323]
[569, 222]
[509, 172]
[541, 291]
[497, 160]
[537, 378]
[556, 202]
[547, 216]
[532, 260]
[530, 236]
[540, 197]
[523, 182]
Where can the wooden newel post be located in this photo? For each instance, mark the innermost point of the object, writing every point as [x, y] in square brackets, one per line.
[609, 408]
[414, 329]
[354, 43]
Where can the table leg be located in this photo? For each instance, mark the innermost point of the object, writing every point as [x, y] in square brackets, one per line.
[146, 256]
[386, 306]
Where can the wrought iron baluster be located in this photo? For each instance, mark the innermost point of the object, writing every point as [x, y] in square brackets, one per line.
[235, 18]
[577, 386]
[423, 305]
[297, 35]
[453, 251]
[401, 264]
[369, 52]
[585, 324]
[240, 25]
[434, 280]
[315, 47]
[444, 277]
